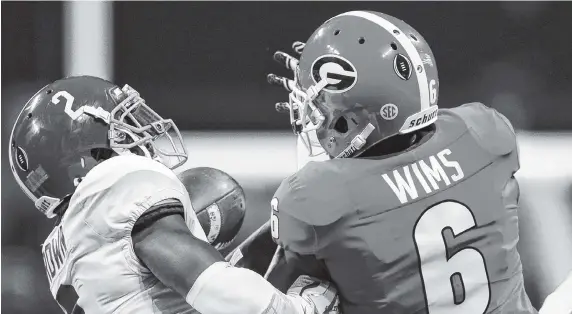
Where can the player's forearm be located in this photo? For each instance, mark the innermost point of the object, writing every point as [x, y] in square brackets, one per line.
[197, 271]
[223, 289]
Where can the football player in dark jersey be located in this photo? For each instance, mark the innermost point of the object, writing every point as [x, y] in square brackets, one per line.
[417, 209]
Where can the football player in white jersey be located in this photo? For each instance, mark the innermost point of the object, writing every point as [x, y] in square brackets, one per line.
[91, 154]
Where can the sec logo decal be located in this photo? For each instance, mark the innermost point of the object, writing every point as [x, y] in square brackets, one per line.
[388, 111]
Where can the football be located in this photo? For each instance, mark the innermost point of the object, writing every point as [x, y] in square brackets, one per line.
[219, 202]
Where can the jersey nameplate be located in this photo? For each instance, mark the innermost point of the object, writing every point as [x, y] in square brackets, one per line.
[431, 176]
[55, 253]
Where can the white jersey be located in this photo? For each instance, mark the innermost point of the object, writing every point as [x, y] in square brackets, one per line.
[90, 255]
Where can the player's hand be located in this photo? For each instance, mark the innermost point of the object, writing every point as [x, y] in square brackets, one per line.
[319, 296]
[290, 63]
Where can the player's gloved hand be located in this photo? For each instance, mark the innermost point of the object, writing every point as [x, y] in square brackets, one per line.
[316, 296]
[290, 63]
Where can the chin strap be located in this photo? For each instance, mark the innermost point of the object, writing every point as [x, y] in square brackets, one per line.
[358, 142]
[51, 206]
[47, 205]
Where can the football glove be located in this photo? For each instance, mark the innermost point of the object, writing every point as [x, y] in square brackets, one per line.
[319, 297]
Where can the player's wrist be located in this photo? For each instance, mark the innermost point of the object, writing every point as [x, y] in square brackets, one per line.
[224, 289]
[204, 278]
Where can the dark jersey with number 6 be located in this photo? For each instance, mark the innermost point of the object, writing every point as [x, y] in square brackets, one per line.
[430, 230]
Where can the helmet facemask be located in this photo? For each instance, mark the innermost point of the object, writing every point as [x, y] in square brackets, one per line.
[134, 126]
[310, 118]
[305, 117]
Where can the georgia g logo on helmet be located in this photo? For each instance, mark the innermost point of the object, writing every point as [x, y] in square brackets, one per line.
[339, 72]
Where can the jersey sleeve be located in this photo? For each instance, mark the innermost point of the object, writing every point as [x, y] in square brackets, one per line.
[288, 231]
[157, 212]
[303, 208]
[492, 130]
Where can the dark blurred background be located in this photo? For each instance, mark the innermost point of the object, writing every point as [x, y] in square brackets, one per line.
[204, 64]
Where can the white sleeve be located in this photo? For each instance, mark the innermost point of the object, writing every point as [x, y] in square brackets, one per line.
[559, 301]
[224, 289]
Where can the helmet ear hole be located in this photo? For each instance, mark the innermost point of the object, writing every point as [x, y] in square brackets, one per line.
[341, 125]
[137, 151]
[100, 154]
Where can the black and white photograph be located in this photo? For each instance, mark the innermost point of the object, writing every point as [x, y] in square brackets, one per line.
[286, 157]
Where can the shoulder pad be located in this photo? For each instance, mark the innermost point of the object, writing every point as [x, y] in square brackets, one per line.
[119, 166]
[316, 194]
[491, 129]
[118, 191]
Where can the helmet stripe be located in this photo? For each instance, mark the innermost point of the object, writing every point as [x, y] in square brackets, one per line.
[409, 48]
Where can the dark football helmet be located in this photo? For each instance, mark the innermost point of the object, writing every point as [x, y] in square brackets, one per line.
[362, 77]
[72, 124]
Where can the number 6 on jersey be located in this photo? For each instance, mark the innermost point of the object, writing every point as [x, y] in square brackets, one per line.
[274, 218]
[453, 284]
